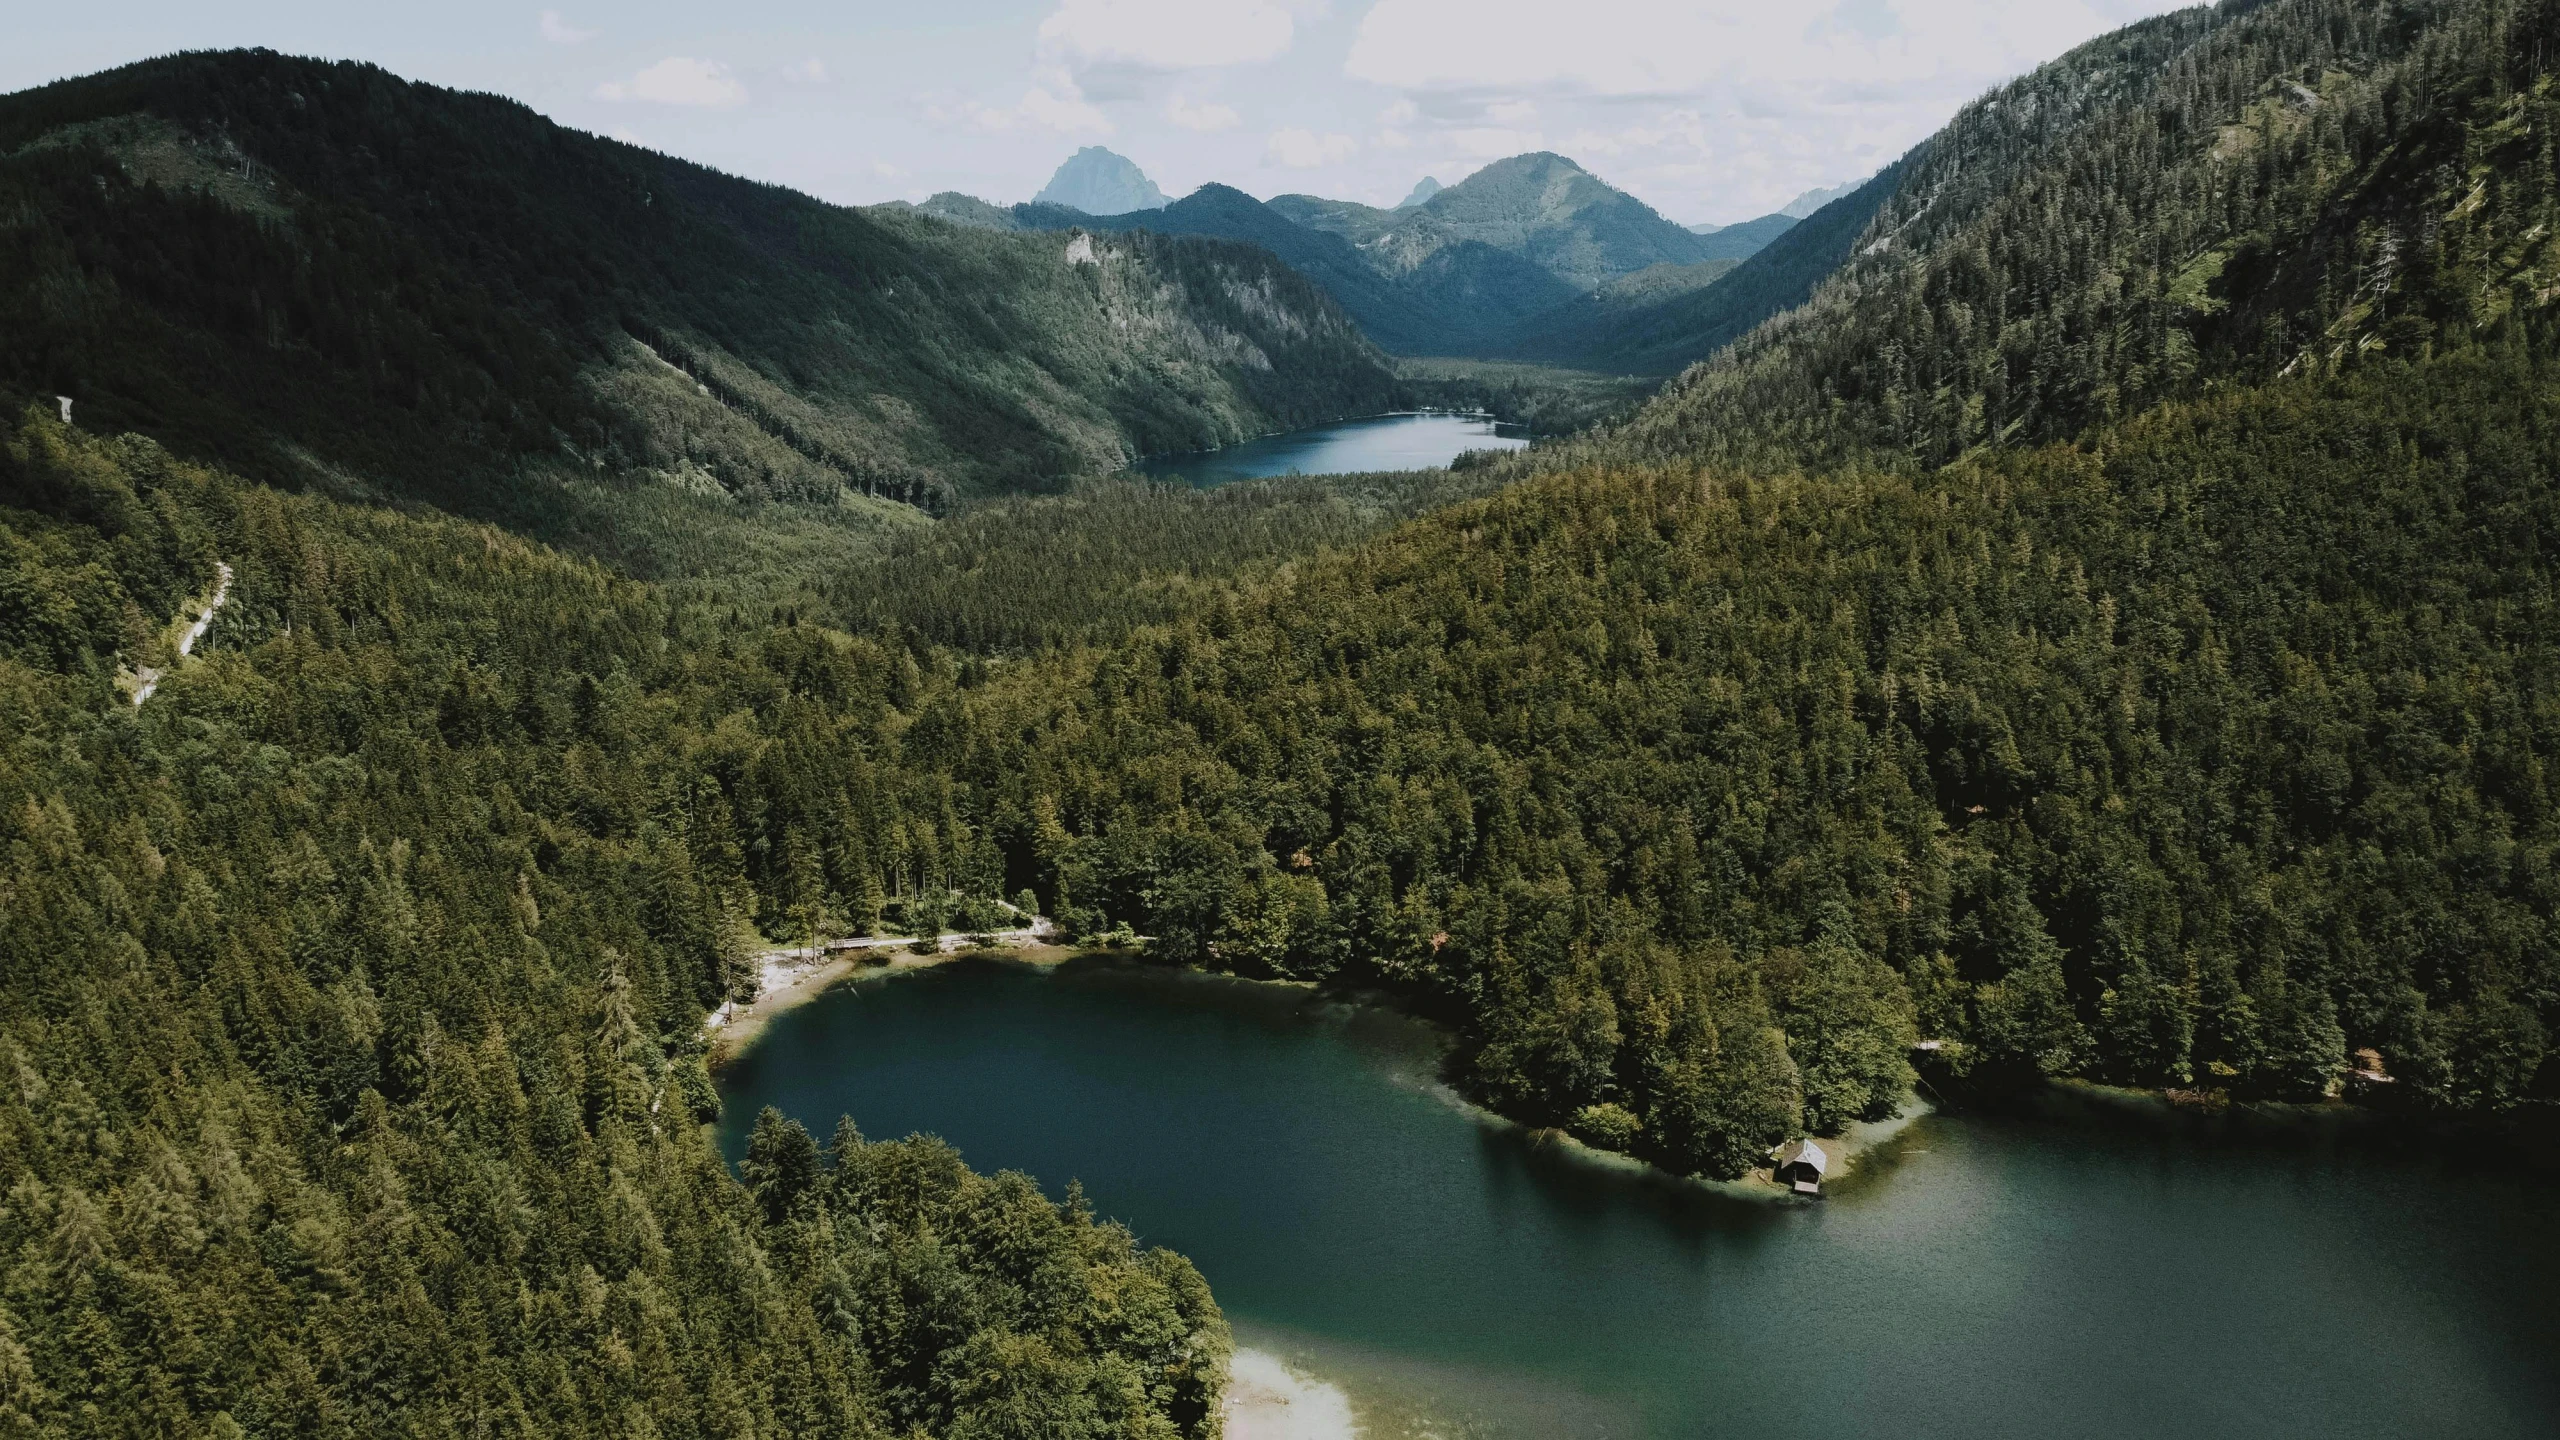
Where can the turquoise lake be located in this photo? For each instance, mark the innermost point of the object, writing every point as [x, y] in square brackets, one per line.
[1978, 1276]
[1349, 447]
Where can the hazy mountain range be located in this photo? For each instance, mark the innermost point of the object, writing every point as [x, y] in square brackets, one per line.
[1532, 257]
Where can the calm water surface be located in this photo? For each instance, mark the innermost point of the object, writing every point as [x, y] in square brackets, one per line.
[1981, 1278]
[1351, 447]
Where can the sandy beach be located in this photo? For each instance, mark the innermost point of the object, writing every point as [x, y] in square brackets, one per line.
[1266, 1400]
[788, 978]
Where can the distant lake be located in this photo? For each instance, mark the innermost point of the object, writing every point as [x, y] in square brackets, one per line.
[1979, 1277]
[1348, 447]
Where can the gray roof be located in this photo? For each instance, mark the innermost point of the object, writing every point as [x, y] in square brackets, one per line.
[1803, 1152]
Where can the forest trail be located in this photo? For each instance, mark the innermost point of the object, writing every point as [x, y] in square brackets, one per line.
[149, 678]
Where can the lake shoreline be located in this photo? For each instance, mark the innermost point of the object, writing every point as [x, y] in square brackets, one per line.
[791, 978]
[1269, 1399]
[1450, 1276]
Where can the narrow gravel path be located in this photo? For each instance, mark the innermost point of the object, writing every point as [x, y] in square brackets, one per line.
[195, 632]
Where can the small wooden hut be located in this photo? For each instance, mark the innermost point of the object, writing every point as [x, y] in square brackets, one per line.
[1800, 1165]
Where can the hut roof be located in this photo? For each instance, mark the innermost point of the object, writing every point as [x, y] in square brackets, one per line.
[1802, 1152]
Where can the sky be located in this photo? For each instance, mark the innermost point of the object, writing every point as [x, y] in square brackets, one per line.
[1710, 110]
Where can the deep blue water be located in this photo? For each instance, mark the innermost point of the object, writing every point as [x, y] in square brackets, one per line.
[1349, 447]
[1980, 1277]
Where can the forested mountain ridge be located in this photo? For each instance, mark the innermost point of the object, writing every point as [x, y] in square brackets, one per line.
[351, 996]
[2209, 196]
[264, 259]
[1541, 207]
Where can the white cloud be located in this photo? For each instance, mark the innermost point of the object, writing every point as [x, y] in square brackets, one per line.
[812, 71]
[1053, 102]
[1491, 142]
[1066, 113]
[560, 32]
[1719, 109]
[1301, 149]
[1689, 46]
[887, 171]
[680, 80]
[1169, 34]
[1201, 117]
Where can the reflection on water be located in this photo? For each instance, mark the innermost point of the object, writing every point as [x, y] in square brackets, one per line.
[1349, 447]
[1988, 1277]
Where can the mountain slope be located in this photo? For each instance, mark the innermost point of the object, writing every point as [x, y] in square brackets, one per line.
[306, 269]
[1451, 304]
[1544, 209]
[1396, 320]
[2200, 199]
[1741, 242]
[1661, 335]
[1541, 208]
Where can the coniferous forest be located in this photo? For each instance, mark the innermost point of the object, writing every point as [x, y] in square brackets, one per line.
[2109, 631]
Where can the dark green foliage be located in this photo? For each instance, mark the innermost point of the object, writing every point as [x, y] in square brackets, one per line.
[2211, 743]
[1022, 575]
[2092, 700]
[1547, 402]
[350, 995]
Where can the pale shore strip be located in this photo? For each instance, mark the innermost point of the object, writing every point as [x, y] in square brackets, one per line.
[789, 978]
[1266, 1400]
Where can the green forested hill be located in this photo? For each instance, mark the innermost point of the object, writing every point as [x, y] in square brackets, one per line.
[301, 268]
[1542, 208]
[2198, 754]
[2110, 632]
[350, 996]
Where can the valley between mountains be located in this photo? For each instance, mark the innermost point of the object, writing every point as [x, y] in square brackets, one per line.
[2061, 629]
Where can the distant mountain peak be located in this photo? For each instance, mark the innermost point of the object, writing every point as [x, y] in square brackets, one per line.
[1803, 206]
[1423, 189]
[1101, 182]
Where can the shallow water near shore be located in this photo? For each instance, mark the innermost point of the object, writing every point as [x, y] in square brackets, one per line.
[1976, 1277]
